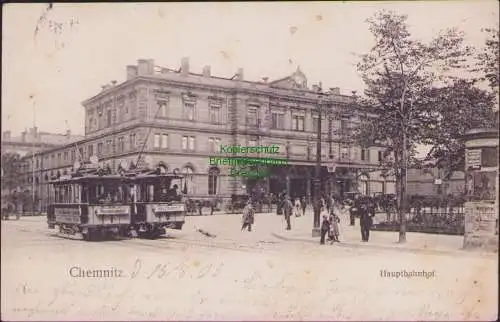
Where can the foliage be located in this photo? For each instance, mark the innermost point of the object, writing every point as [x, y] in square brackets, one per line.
[11, 171]
[458, 108]
[489, 59]
[399, 73]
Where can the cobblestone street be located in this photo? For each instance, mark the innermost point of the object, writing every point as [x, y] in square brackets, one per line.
[236, 276]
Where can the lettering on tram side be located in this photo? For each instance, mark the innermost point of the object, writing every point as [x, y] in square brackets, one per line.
[80, 272]
[112, 210]
[168, 208]
[67, 215]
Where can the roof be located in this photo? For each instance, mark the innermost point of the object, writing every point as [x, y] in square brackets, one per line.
[43, 138]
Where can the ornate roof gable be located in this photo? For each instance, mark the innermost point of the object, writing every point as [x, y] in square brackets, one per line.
[297, 80]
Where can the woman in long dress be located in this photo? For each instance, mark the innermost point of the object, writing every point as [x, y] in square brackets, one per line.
[297, 207]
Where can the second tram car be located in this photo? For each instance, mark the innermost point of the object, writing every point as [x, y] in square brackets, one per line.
[91, 202]
[157, 201]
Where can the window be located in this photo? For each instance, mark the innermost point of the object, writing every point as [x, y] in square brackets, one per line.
[132, 141]
[188, 143]
[191, 143]
[184, 142]
[99, 149]
[109, 118]
[212, 180]
[65, 157]
[298, 123]
[315, 124]
[214, 144]
[80, 154]
[90, 150]
[109, 148]
[278, 121]
[189, 111]
[157, 139]
[365, 155]
[121, 144]
[73, 153]
[191, 184]
[343, 126]
[162, 109]
[91, 122]
[215, 114]
[164, 141]
[253, 117]
[344, 153]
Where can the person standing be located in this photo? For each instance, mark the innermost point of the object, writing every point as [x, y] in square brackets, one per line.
[287, 209]
[304, 205]
[365, 221]
[297, 207]
[325, 228]
[248, 216]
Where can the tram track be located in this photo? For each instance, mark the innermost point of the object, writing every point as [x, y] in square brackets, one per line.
[43, 237]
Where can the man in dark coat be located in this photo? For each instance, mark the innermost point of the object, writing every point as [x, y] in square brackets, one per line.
[303, 205]
[325, 227]
[366, 214]
[287, 210]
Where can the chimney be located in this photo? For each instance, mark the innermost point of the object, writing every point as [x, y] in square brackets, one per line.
[131, 71]
[185, 66]
[151, 66]
[68, 133]
[239, 74]
[23, 136]
[315, 88]
[113, 82]
[143, 67]
[206, 71]
[6, 134]
[35, 132]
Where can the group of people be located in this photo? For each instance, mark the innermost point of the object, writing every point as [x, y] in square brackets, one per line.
[330, 226]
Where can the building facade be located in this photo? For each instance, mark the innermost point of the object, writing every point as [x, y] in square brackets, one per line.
[183, 118]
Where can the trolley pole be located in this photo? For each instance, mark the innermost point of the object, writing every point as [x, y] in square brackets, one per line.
[317, 178]
[33, 161]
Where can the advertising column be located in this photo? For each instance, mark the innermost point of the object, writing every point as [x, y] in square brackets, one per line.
[481, 182]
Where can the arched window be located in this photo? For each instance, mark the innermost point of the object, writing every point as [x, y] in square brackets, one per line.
[213, 174]
[188, 172]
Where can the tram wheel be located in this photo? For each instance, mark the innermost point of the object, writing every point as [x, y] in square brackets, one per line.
[88, 236]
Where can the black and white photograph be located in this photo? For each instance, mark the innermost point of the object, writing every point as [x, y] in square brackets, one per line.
[250, 161]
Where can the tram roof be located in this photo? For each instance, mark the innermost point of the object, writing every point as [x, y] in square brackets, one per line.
[142, 176]
[92, 177]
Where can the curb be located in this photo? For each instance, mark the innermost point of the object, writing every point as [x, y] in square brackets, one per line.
[393, 248]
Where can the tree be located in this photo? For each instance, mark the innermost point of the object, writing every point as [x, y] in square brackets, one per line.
[460, 107]
[10, 173]
[489, 59]
[398, 72]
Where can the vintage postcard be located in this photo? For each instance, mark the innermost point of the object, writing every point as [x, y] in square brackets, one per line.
[322, 161]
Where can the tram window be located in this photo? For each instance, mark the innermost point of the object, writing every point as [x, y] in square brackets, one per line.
[84, 193]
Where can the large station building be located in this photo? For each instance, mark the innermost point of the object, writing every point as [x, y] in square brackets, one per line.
[182, 118]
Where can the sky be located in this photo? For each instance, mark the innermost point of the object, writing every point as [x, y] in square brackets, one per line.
[46, 75]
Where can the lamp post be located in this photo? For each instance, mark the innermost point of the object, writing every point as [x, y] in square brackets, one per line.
[317, 177]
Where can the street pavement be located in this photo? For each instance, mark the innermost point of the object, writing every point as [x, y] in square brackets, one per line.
[239, 275]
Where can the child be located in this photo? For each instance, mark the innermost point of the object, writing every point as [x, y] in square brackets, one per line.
[334, 231]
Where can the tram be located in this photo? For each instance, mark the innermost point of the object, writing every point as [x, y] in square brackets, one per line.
[157, 202]
[90, 201]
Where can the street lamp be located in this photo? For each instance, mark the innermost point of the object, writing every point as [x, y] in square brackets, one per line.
[317, 177]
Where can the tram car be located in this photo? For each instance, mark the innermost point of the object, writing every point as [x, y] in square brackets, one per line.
[158, 202]
[91, 201]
